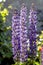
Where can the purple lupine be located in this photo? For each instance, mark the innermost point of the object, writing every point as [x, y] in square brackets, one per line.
[32, 31]
[15, 34]
[23, 33]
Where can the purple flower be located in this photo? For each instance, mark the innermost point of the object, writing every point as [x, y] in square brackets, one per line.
[23, 33]
[32, 31]
[16, 34]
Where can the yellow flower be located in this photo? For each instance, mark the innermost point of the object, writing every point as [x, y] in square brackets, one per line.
[6, 11]
[3, 13]
[41, 36]
[42, 31]
[39, 48]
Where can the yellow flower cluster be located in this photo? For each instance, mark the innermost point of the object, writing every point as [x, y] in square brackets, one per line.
[40, 41]
[4, 13]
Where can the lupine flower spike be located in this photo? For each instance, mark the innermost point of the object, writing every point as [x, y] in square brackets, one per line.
[32, 31]
[23, 33]
[15, 34]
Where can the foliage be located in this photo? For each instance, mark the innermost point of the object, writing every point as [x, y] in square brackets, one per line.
[5, 39]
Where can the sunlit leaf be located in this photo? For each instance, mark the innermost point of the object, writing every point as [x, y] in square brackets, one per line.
[37, 63]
